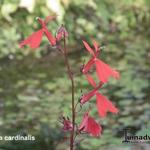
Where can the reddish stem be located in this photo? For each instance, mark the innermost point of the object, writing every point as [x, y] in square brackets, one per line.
[72, 87]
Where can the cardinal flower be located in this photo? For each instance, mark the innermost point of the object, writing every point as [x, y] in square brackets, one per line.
[67, 124]
[103, 104]
[61, 33]
[35, 38]
[103, 70]
[90, 126]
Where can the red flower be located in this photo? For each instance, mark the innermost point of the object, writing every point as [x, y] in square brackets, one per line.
[103, 104]
[86, 97]
[90, 126]
[103, 70]
[67, 124]
[35, 38]
[61, 33]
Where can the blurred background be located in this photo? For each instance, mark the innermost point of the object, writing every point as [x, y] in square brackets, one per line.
[35, 90]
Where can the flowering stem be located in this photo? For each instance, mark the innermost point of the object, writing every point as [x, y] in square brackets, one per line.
[72, 88]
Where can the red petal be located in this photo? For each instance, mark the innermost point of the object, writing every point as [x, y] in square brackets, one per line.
[87, 66]
[59, 36]
[33, 40]
[95, 45]
[93, 127]
[83, 125]
[67, 125]
[104, 71]
[48, 34]
[88, 96]
[91, 80]
[50, 37]
[49, 18]
[61, 33]
[104, 105]
[88, 48]
[90, 126]
[40, 21]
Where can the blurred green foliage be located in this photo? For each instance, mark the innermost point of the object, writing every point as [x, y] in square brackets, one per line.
[34, 89]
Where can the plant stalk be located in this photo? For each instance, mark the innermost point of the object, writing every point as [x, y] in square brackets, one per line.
[72, 89]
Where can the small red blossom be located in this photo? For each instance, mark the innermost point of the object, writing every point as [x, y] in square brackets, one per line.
[86, 97]
[103, 70]
[67, 124]
[90, 126]
[61, 33]
[103, 104]
[35, 38]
